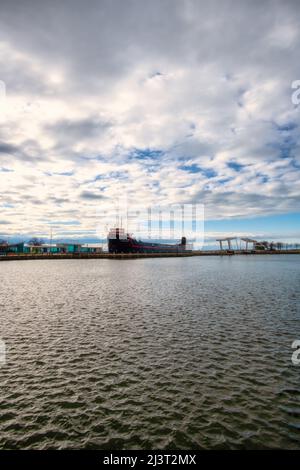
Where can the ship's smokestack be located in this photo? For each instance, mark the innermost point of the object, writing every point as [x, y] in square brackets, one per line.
[117, 233]
[183, 241]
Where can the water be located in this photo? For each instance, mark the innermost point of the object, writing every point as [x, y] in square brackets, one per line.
[158, 353]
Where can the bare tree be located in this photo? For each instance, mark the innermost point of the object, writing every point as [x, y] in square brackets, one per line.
[35, 241]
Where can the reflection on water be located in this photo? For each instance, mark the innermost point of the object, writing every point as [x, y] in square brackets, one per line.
[157, 353]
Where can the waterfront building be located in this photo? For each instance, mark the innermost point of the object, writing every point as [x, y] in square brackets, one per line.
[12, 248]
[91, 248]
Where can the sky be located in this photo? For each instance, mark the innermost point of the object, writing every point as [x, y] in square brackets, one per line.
[167, 102]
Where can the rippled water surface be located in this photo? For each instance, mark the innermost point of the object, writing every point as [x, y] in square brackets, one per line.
[156, 353]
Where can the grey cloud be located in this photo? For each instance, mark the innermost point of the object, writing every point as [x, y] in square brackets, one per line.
[59, 200]
[103, 40]
[74, 130]
[226, 204]
[91, 195]
[8, 148]
[28, 151]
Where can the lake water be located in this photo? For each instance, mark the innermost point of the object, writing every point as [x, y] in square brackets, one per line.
[151, 353]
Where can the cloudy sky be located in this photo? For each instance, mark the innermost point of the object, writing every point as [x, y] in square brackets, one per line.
[166, 101]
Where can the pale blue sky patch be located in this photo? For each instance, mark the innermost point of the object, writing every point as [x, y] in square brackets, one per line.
[235, 166]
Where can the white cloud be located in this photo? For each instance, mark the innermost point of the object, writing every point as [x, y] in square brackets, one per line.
[204, 89]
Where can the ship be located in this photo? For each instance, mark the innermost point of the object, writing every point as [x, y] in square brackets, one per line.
[120, 242]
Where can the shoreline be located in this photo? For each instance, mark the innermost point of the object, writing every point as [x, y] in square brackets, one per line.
[24, 257]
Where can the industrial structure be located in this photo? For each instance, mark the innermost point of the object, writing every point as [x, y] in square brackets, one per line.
[229, 241]
[243, 243]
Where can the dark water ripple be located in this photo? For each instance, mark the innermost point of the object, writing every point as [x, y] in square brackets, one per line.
[165, 353]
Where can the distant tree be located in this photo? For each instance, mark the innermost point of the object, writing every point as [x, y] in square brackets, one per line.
[264, 245]
[35, 241]
[272, 246]
[3, 243]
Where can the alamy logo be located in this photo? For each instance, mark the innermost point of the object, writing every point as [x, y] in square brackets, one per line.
[166, 223]
[296, 354]
[296, 95]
